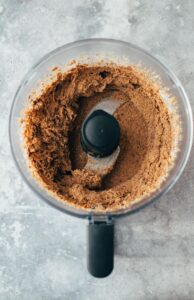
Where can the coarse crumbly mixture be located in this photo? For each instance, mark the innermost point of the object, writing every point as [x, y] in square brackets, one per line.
[52, 136]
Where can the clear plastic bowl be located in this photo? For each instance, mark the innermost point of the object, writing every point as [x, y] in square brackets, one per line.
[93, 50]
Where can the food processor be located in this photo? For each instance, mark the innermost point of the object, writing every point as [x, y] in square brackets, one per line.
[101, 224]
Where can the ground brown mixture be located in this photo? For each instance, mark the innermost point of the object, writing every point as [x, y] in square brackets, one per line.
[51, 133]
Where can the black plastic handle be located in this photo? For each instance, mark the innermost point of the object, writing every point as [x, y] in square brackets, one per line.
[100, 248]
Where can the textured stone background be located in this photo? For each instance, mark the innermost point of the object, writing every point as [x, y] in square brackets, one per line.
[42, 251]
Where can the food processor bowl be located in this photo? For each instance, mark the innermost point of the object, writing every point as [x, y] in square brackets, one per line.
[91, 51]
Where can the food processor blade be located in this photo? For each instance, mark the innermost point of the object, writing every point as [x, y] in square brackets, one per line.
[100, 137]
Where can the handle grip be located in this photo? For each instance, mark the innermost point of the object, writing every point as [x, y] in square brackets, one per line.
[100, 249]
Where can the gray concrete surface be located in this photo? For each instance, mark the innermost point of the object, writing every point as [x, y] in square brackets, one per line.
[42, 251]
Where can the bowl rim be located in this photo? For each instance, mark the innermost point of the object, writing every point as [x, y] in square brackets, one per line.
[70, 209]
